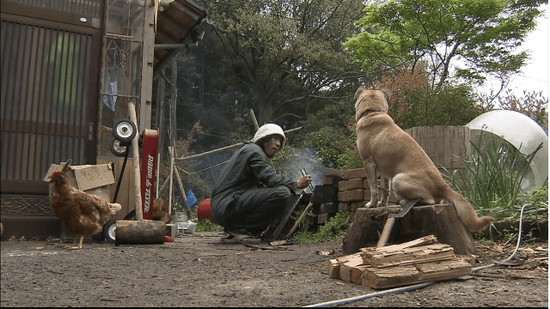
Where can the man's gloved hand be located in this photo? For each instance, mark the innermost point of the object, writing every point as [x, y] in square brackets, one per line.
[303, 181]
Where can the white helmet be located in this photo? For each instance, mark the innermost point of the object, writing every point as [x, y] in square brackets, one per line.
[269, 129]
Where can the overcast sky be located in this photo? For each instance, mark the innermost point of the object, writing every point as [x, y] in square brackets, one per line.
[535, 74]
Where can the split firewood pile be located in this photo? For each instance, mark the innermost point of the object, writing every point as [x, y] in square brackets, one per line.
[420, 260]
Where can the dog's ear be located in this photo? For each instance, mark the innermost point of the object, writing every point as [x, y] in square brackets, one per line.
[358, 92]
[387, 93]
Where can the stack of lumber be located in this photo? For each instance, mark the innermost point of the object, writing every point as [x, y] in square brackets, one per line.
[421, 260]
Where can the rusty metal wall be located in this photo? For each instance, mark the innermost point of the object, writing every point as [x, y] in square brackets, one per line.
[50, 55]
[85, 7]
[44, 87]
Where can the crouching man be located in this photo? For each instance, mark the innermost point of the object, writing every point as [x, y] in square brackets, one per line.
[249, 194]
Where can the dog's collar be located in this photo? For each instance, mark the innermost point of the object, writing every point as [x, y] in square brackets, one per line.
[368, 111]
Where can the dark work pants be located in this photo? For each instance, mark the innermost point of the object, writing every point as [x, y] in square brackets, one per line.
[255, 209]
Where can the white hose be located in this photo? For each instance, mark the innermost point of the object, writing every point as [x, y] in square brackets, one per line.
[381, 293]
[517, 244]
[420, 285]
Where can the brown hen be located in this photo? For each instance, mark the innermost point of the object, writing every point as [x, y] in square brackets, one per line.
[83, 213]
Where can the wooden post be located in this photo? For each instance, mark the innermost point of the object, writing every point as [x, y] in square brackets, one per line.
[253, 118]
[135, 164]
[182, 190]
[171, 151]
[148, 54]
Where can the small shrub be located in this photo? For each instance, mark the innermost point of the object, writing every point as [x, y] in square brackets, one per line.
[492, 178]
[207, 226]
[335, 227]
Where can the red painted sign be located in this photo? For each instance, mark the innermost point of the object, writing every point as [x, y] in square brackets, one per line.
[148, 163]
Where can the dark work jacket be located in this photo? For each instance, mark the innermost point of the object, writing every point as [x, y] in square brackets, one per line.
[247, 169]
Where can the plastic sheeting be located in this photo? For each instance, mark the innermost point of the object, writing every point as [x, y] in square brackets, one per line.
[523, 133]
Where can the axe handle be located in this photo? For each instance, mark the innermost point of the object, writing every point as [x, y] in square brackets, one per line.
[385, 232]
[295, 226]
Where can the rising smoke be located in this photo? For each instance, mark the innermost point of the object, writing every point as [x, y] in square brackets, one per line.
[304, 159]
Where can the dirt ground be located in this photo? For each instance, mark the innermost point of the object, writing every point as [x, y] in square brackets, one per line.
[200, 270]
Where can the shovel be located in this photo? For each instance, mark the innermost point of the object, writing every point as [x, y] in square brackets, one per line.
[391, 220]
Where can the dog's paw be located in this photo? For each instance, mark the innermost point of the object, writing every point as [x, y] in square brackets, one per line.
[368, 205]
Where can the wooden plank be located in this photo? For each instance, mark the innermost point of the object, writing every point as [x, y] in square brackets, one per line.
[381, 278]
[353, 273]
[444, 269]
[390, 277]
[410, 256]
[345, 267]
[333, 265]
[422, 241]
[333, 268]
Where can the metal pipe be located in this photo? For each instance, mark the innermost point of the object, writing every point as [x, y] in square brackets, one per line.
[175, 45]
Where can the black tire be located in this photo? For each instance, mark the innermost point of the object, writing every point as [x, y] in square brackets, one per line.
[125, 131]
[109, 230]
[98, 236]
[118, 149]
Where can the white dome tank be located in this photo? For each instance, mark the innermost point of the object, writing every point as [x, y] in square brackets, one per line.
[523, 133]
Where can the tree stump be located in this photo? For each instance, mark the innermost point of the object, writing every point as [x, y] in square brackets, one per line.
[440, 220]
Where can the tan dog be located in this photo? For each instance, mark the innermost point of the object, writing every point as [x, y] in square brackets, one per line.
[389, 151]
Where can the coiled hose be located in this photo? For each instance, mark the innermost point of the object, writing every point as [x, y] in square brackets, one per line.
[420, 285]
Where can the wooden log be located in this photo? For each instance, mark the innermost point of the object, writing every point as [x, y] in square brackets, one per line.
[363, 230]
[440, 220]
[140, 232]
[381, 278]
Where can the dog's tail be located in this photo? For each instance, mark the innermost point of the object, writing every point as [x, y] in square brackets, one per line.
[466, 212]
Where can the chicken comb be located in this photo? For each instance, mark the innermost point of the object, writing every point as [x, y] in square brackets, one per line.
[56, 173]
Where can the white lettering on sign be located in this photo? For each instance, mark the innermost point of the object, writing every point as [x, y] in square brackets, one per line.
[148, 184]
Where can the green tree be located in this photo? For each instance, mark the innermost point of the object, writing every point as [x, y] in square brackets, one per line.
[283, 58]
[415, 103]
[331, 132]
[471, 38]
[452, 105]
